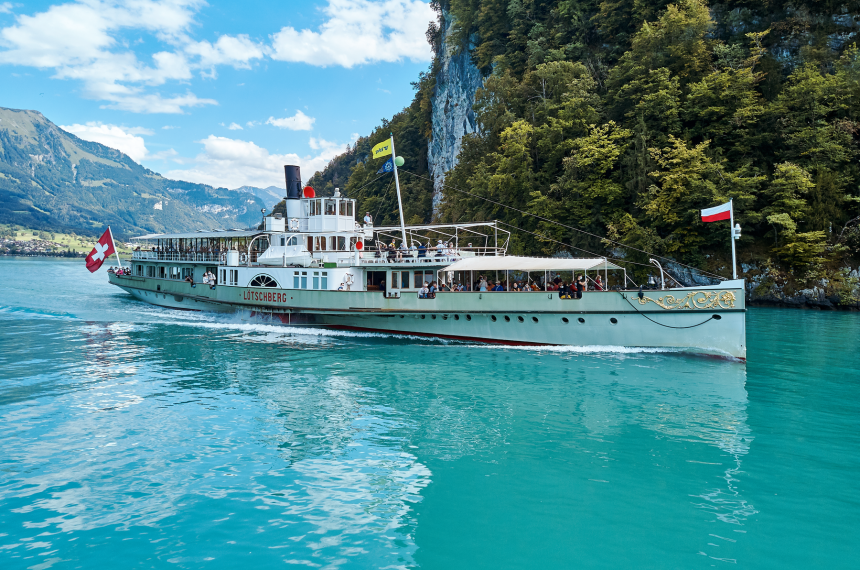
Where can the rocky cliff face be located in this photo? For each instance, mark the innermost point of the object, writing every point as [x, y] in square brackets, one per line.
[457, 81]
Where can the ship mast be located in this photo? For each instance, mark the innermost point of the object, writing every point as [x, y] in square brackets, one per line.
[397, 184]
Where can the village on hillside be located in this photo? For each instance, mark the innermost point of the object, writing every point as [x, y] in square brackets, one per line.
[20, 241]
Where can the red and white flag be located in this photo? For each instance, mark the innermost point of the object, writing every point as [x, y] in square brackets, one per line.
[103, 249]
[717, 213]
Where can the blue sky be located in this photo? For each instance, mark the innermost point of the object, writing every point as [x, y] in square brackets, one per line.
[222, 93]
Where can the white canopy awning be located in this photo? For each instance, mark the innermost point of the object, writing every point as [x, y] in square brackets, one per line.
[202, 234]
[514, 263]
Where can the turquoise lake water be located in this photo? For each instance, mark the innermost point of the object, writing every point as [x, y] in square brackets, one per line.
[133, 436]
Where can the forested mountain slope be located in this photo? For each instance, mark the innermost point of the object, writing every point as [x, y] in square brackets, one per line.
[50, 179]
[625, 119]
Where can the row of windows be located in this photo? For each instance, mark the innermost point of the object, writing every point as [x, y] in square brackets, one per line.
[319, 279]
[402, 279]
[330, 207]
[520, 318]
[163, 272]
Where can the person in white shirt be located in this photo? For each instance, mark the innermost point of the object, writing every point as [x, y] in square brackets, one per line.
[414, 250]
[368, 221]
[424, 291]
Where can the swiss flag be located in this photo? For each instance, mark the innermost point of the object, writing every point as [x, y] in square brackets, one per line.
[717, 213]
[103, 249]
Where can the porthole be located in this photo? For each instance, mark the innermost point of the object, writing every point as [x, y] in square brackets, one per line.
[613, 320]
[716, 317]
[493, 318]
[520, 319]
[565, 320]
[468, 317]
[456, 317]
[423, 316]
[444, 317]
[402, 317]
[535, 319]
[433, 317]
[581, 320]
[507, 319]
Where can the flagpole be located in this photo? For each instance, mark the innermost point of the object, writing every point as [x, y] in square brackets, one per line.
[732, 237]
[115, 250]
[399, 201]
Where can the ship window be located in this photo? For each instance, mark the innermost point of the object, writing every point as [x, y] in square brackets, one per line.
[341, 206]
[223, 276]
[150, 271]
[468, 317]
[613, 320]
[395, 279]
[456, 317]
[716, 317]
[316, 279]
[520, 319]
[263, 281]
[581, 320]
[493, 318]
[535, 319]
[565, 320]
[404, 283]
[234, 277]
[349, 208]
[304, 279]
[507, 319]
[283, 241]
[139, 270]
[324, 280]
[341, 243]
[330, 208]
[295, 279]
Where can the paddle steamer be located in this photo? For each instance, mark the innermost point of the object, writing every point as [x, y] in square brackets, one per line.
[318, 266]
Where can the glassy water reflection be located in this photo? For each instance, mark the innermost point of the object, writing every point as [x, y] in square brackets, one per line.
[196, 440]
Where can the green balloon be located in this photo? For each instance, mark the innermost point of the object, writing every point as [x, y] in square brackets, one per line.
[399, 161]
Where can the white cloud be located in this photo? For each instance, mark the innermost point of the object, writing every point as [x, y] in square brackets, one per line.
[6, 8]
[236, 51]
[81, 41]
[233, 163]
[235, 127]
[120, 138]
[169, 154]
[298, 122]
[358, 32]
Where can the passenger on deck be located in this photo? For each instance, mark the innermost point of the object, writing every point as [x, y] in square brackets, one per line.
[422, 250]
[582, 285]
[423, 292]
[598, 284]
[431, 291]
[190, 279]
[368, 220]
[516, 286]
[341, 287]
[382, 287]
[482, 283]
[498, 286]
[413, 251]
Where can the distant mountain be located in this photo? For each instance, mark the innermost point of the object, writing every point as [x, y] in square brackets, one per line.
[270, 196]
[51, 179]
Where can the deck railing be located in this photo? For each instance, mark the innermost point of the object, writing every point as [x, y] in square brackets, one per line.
[177, 256]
